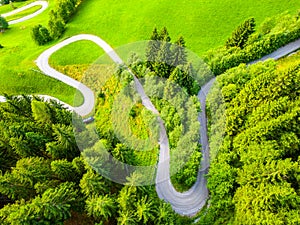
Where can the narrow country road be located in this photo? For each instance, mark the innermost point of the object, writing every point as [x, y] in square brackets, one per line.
[187, 203]
[44, 5]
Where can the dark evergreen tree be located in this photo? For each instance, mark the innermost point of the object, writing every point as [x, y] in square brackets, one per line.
[3, 24]
[179, 55]
[152, 49]
[241, 35]
[40, 34]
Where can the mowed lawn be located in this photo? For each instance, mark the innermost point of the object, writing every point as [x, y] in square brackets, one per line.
[17, 68]
[204, 24]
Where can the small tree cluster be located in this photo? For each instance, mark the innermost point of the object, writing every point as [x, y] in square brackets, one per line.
[58, 19]
[3, 24]
[40, 34]
[169, 60]
[274, 33]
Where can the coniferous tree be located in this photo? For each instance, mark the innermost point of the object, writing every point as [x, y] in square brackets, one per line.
[152, 49]
[179, 53]
[56, 25]
[40, 34]
[3, 24]
[241, 35]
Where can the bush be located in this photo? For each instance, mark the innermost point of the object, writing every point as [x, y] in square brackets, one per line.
[56, 25]
[3, 24]
[40, 35]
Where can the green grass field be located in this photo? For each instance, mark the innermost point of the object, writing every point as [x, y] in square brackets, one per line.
[17, 61]
[8, 7]
[23, 13]
[204, 24]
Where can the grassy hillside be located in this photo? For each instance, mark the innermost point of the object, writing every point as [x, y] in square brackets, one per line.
[204, 24]
[17, 62]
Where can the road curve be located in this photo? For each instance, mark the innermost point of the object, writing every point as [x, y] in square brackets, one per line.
[88, 95]
[186, 203]
[44, 5]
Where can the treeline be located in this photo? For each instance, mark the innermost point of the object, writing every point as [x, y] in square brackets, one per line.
[59, 17]
[45, 180]
[254, 178]
[247, 44]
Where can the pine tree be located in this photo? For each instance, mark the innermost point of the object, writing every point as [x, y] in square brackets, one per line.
[40, 34]
[164, 35]
[152, 49]
[100, 207]
[241, 35]
[179, 55]
[3, 24]
[56, 25]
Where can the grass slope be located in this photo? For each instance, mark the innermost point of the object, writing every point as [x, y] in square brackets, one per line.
[204, 24]
[8, 7]
[17, 61]
[23, 13]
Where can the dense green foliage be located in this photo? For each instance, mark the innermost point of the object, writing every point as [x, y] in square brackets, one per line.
[59, 17]
[245, 46]
[40, 35]
[168, 84]
[44, 180]
[255, 177]
[3, 24]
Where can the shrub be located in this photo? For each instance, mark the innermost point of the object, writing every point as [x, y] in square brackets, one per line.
[56, 25]
[40, 35]
[3, 24]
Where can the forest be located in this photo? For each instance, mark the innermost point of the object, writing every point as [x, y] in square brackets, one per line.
[254, 177]
[50, 174]
[45, 180]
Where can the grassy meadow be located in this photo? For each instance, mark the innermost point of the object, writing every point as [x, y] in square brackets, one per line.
[204, 25]
[23, 13]
[16, 5]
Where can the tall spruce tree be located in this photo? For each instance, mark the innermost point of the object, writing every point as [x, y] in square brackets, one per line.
[179, 53]
[241, 35]
[152, 48]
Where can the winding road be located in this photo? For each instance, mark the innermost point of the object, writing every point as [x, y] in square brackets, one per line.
[44, 5]
[186, 203]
